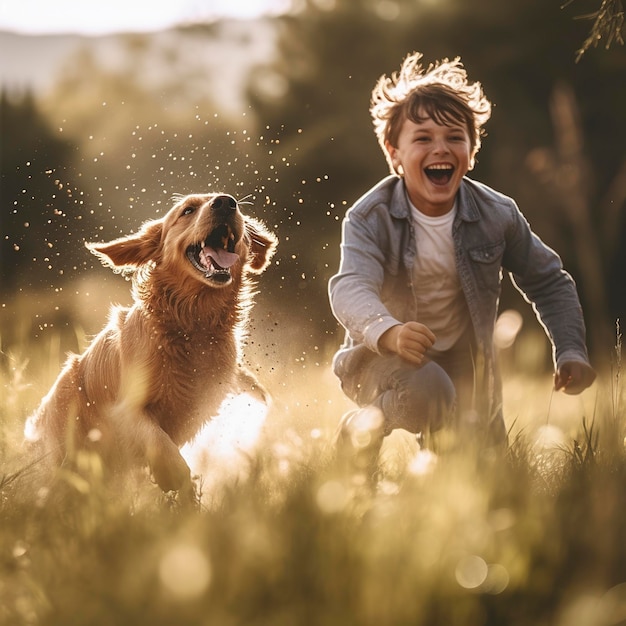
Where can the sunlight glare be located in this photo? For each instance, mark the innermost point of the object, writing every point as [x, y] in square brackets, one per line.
[249, 9]
[76, 16]
[423, 463]
[550, 437]
[222, 449]
[117, 16]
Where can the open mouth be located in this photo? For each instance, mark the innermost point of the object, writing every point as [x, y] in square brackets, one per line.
[439, 174]
[215, 256]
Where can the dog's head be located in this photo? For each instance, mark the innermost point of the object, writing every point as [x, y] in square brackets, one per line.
[203, 237]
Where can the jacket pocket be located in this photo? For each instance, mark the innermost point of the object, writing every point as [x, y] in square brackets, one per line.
[487, 265]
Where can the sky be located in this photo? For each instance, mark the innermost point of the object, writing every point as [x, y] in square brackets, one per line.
[99, 17]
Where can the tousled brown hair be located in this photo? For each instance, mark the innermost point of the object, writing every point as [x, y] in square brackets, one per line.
[441, 92]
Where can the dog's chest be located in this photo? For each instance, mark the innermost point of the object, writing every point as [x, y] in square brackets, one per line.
[192, 378]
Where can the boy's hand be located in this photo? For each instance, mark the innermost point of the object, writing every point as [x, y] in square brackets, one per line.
[573, 377]
[409, 341]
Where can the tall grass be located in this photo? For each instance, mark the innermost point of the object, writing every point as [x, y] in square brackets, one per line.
[534, 536]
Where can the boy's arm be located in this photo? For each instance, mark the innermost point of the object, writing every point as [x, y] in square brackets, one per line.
[538, 273]
[355, 291]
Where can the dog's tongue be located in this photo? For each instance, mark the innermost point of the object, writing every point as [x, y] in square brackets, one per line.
[221, 257]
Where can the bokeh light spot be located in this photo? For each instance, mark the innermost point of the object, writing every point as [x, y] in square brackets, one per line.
[471, 572]
[497, 579]
[507, 328]
[332, 497]
[185, 571]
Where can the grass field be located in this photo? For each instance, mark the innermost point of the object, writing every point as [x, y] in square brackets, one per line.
[536, 536]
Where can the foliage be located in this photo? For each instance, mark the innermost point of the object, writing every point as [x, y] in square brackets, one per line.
[608, 23]
[39, 217]
[533, 536]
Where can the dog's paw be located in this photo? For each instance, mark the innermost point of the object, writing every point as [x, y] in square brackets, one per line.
[185, 499]
[171, 473]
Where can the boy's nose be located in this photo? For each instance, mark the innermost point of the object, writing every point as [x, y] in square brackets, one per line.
[440, 145]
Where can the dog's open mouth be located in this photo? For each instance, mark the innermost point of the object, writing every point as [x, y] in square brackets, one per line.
[215, 256]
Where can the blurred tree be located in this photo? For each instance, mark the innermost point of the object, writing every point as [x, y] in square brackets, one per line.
[39, 217]
[566, 174]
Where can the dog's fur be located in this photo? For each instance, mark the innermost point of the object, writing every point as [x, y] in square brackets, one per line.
[161, 368]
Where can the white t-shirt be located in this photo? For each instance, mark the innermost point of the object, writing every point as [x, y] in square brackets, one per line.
[440, 301]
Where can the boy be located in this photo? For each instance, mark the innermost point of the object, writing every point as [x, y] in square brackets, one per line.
[418, 285]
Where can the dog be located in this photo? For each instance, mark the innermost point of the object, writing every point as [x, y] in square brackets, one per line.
[160, 368]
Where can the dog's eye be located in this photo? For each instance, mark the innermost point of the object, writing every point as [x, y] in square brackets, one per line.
[188, 210]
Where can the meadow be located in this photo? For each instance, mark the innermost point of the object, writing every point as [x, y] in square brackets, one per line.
[285, 537]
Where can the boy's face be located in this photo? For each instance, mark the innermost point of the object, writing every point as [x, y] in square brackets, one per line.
[433, 159]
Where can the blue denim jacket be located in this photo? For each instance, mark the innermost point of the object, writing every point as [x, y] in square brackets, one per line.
[373, 289]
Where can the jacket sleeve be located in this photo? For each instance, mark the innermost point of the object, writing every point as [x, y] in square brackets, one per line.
[355, 291]
[537, 272]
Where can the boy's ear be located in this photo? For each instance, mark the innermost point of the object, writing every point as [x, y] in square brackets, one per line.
[133, 250]
[392, 158]
[262, 245]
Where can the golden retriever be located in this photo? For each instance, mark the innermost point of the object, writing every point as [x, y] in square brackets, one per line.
[161, 368]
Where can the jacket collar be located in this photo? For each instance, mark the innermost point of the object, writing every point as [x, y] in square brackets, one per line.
[467, 208]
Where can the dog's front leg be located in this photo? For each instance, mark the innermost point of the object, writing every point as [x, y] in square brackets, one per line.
[168, 467]
[147, 440]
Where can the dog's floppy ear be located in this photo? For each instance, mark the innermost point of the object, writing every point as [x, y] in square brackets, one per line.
[262, 244]
[132, 250]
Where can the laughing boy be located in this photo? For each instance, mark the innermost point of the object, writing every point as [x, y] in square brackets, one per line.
[422, 257]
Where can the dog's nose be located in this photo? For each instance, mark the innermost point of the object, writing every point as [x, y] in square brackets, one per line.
[224, 203]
